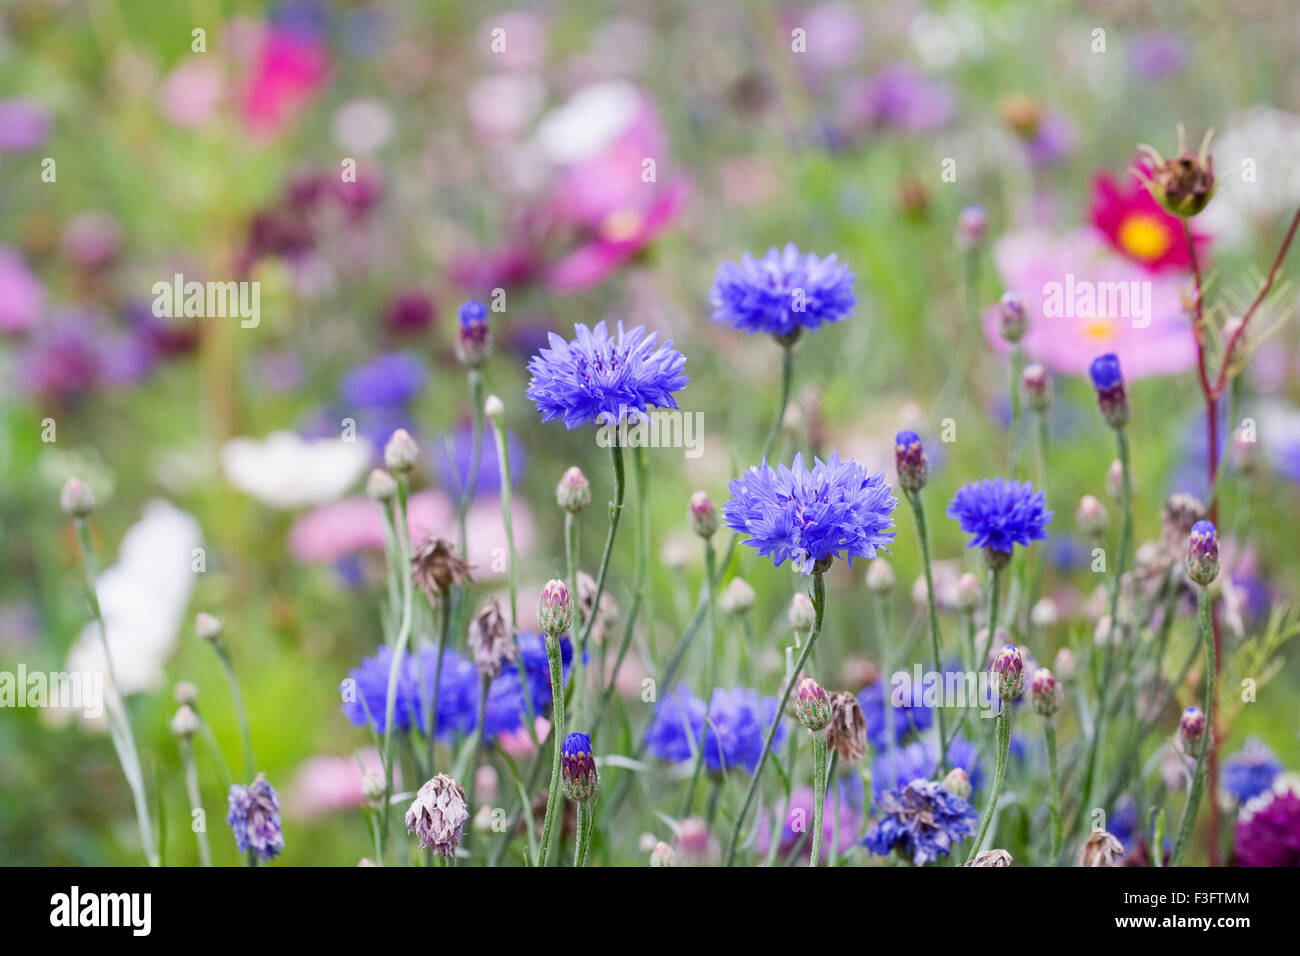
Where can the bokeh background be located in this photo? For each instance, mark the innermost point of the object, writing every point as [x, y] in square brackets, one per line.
[480, 169]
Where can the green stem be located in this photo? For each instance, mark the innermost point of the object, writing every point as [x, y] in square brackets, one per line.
[431, 721]
[787, 375]
[819, 793]
[819, 607]
[553, 796]
[615, 513]
[571, 575]
[476, 452]
[512, 574]
[195, 797]
[918, 511]
[584, 827]
[1203, 609]
[119, 725]
[1017, 362]
[1054, 795]
[1004, 748]
[399, 651]
[245, 731]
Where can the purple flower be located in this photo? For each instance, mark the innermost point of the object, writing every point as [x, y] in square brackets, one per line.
[896, 767]
[1250, 772]
[900, 98]
[1153, 56]
[782, 293]
[599, 378]
[254, 818]
[836, 509]
[22, 297]
[1268, 828]
[366, 698]
[738, 721]
[921, 821]
[453, 456]
[1000, 514]
[23, 125]
[385, 381]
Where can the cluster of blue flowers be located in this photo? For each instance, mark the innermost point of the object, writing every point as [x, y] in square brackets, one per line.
[602, 378]
[835, 509]
[738, 719]
[922, 821]
[365, 699]
[897, 766]
[782, 293]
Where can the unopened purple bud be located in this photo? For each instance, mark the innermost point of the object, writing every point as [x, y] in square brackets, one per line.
[573, 493]
[1203, 553]
[703, 515]
[968, 593]
[1190, 727]
[207, 626]
[578, 773]
[1013, 320]
[1045, 692]
[1038, 387]
[76, 498]
[1091, 517]
[910, 458]
[554, 608]
[401, 453]
[812, 706]
[1008, 673]
[472, 341]
[1115, 480]
[1108, 380]
[972, 224]
[1065, 663]
[663, 855]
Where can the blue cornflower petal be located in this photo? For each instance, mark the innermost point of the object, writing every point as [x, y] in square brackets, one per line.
[782, 293]
[1000, 514]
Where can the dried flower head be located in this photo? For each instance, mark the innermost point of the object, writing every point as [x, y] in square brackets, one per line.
[847, 732]
[490, 639]
[992, 858]
[605, 615]
[437, 815]
[1101, 849]
[1185, 184]
[436, 568]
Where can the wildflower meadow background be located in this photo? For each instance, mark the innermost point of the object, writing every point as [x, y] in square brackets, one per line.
[663, 433]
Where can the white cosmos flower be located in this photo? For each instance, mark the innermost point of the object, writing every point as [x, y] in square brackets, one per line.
[1257, 174]
[285, 470]
[143, 597]
[592, 119]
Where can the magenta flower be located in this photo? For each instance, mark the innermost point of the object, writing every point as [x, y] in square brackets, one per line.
[1083, 299]
[288, 69]
[22, 297]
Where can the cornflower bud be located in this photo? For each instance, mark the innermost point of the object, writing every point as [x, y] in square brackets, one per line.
[1013, 320]
[578, 773]
[1008, 673]
[1203, 553]
[554, 608]
[1038, 387]
[573, 493]
[401, 453]
[812, 706]
[76, 498]
[1045, 693]
[1108, 380]
[703, 515]
[911, 461]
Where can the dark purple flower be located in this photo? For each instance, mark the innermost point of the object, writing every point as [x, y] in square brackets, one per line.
[1268, 828]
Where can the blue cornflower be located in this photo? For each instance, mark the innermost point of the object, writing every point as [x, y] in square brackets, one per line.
[505, 710]
[910, 714]
[836, 509]
[921, 821]
[604, 379]
[1250, 772]
[782, 293]
[1000, 514]
[737, 725]
[738, 720]
[1108, 380]
[366, 700]
[898, 766]
[254, 818]
[385, 381]
[472, 340]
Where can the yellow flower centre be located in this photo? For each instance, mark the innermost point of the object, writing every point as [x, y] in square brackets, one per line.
[621, 225]
[1144, 237]
[1098, 329]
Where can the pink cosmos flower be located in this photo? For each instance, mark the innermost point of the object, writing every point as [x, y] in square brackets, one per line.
[1084, 299]
[1135, 224]
[326, 784]
[288, 69]
[22, 297]
[340, 528]
[191, 93]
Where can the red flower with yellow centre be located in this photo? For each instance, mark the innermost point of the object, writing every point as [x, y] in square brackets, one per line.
[1135, 225]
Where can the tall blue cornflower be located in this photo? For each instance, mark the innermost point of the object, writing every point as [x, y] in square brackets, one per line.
[835, 509]
[732, 737]
[605, 379]
[782, 293]
[998, 515]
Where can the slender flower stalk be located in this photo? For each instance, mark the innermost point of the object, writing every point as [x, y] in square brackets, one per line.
[813, 708]
[555, 614]
[1202, 567]
[476, 452]
[913, 472]
[77, 503]
[819, 609]
[1008, 681]
[1047, 696]
[495, 412]
[185, 725]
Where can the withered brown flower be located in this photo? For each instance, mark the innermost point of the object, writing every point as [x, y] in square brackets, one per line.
[435, 567]
[490, 638]
[847, 731]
